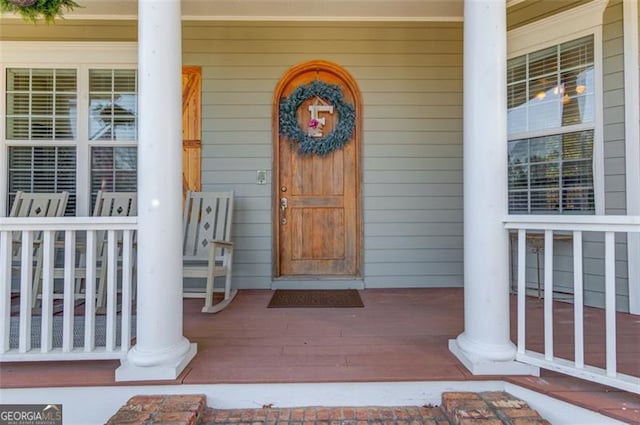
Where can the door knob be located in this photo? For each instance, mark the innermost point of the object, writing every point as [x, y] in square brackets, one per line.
[283, 210]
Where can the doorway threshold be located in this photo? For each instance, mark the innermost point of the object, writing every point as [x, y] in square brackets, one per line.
[317, 283]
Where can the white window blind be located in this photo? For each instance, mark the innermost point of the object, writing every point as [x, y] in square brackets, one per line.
[43, 169]
[551, 100]
[41, 104]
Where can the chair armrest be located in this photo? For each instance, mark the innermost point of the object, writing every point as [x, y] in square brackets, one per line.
[223, 244]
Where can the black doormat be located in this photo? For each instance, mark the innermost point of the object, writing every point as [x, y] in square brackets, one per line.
[305, 298]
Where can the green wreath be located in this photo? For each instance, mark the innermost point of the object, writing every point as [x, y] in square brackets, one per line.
[290, 129]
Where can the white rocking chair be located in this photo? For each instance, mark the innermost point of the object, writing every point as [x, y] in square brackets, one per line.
[207, 248]
[38, 205]
[111, 204]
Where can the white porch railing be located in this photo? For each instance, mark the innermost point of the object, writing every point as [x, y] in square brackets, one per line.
[80, 255]
[576, 225]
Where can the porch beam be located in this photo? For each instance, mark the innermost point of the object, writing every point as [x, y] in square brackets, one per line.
[485, 347]
[161, 350]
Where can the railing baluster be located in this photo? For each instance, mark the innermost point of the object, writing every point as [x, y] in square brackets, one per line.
[578, 302]
[522, 269]
[90, 293]
[46, 330]
[548, 294]
[38, 273]
[69, 295]
[26, 280]
[5, 289]
[126, 290]
[610, 300]
[112, 270]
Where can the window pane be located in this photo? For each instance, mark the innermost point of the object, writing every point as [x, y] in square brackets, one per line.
[577, 52]
[517, 69]
[545, 148]
[17, 128]
[42, 104]
[545, 176]
[542, 168]
[18, 103]
[577, 200]
[113, 169]
[543, 62]
[124, 80]
[558, 83]
[519, 152]
[42, 80]
[113, 104]
[578, 102]
[42, 169]
[518, 202]
[577, 145]
[577, 173]
[101, 80]
[545, 201]
[18, 79]
[518, 177]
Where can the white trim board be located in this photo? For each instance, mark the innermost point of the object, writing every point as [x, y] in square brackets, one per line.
[94, 405]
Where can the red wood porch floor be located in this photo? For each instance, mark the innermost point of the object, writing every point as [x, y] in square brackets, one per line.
[400, 335]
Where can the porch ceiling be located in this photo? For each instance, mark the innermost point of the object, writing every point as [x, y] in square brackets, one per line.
[286, 10]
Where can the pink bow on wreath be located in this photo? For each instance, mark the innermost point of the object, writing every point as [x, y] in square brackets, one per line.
[314, 123]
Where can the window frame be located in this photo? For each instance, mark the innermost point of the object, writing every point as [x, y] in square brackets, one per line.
[581, 21]
[81, 56]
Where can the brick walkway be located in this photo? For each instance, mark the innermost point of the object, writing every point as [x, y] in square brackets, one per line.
[458, 408]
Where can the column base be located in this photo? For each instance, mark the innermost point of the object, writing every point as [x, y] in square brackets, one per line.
[167, 370]
[478, 365]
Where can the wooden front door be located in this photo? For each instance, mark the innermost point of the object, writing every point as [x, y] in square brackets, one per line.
[317, 211]
[191, 128]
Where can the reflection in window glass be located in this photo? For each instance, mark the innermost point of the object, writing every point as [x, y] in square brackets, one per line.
[551, 88]
[552, 174]
[112, 104]
[113, 169]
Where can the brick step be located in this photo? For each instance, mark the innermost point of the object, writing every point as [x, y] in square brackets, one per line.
[458, 408]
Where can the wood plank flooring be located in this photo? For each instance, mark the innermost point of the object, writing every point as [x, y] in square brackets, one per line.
[400, 335]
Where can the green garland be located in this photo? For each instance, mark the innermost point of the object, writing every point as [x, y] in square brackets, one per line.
[290, 129]
[32, 10]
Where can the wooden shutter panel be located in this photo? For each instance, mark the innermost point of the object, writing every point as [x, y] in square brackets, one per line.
[191, 128]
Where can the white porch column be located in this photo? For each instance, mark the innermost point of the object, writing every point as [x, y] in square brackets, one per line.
[161, 351]
[485, 347]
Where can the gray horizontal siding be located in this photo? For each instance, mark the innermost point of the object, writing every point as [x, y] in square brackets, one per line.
[410, 76]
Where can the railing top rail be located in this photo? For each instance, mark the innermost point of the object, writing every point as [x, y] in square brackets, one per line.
[68, 223]
[593, 223]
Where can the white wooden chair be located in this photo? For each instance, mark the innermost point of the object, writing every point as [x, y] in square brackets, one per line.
[108, 204]
[111, 204]
[38, 205]
[207, 248]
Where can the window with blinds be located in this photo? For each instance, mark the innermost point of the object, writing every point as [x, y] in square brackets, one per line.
[551, 102]
[41, 112]
[44, 143]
